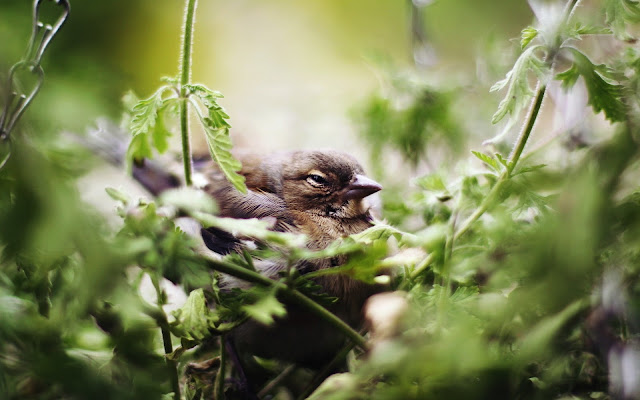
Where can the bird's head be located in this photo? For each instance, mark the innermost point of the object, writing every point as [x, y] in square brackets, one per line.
[326, 183]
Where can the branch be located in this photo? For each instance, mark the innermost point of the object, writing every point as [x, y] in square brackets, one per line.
[290, 294]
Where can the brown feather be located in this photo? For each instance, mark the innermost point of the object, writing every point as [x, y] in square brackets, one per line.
[305, 192]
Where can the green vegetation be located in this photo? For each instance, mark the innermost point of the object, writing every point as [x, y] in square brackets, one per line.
[517, 267]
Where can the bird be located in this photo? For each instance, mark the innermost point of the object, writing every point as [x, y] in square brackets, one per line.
[320, 194]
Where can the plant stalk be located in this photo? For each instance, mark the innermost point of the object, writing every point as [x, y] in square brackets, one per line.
[289, 293]
[514, 157]
[161, 317]
[493, 195]
[185, 75]
[218, 387]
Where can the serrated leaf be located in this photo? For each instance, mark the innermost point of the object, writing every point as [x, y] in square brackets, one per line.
[139, 148]
[528, 34]
[147, 126]
[569, 77]
[220, 145]
[579, 29]
[621, 13]
[160, 134]
[464, 294]
[145, 113]
[204, 92]
[517, 80]
[216, 129]
[487, 159]
[532, 168]
[194, 317]
[604, 95]
[266, 308]
[502, 160]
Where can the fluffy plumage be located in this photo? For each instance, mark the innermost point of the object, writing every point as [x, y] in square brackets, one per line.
[320, 194]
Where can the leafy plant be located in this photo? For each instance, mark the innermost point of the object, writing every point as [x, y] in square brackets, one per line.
[517, 278]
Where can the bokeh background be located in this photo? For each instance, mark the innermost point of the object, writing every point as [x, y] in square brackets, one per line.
[292, 72]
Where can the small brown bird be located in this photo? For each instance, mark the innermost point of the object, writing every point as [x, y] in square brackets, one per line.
[319, 194]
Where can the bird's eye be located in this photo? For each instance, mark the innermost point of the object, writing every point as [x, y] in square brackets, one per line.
[316, 180]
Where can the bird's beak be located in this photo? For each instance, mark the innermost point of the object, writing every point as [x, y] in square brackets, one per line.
[360, 188]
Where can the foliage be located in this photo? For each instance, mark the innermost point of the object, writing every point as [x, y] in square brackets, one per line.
[409, 117]
[520, 276]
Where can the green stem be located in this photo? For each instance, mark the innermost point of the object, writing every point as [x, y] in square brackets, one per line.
[276, 381]
[423, 265]
[493, 195]
[161, 317]
[186, 146]
[218, 387]
[185, 75]
[289, 293]
[172, 365]
[514, 157]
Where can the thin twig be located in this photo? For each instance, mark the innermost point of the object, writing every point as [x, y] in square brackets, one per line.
[326, 371]
[276, 381]
[290, 294]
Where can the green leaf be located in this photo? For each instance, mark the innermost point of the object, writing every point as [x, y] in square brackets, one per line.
[620, 14]
[527, 169]
[517, 80]
[579, 29]
[216, 129]
[147, 125]
[220, 146]
[139, 148]
[539, 339]
[487, 159]
[528, 34]
[118, 195]
[265, 308]
[160, 134]
[604, 95]
[432, 183]
[377, 232]
[204, 93]
[189, 199]
[569, 77]
[253, 228]
[194, 317]
[463, 294]
[169, 80]
[502, 160]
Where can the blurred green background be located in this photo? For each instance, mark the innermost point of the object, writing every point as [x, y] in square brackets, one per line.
[291, 71]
